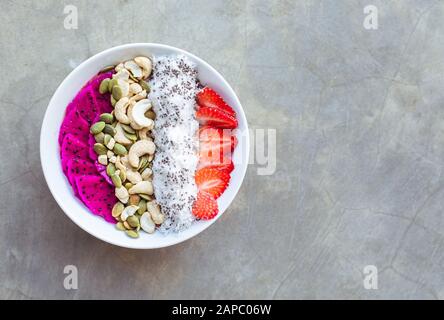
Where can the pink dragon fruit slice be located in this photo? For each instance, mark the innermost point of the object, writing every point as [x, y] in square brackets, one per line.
[92, 154]
[86, 104]
[97, 195]
[72, 148]
[79, 167]
[75, 125]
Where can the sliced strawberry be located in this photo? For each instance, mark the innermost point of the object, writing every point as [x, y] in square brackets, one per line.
[216, 117]
[216, 143]
[224, 136]
[209, 98]
[226, 166]
[212, 180]
[205, 206]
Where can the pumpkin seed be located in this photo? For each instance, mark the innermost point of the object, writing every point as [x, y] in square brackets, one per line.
[142, 206]
[130, 136]
[116, 180]
[144, 166]
[109, 129]
[97, 127]
[127, 128]
[106, 69]
[117, 93]
[106, 139]
[150, 114]
[134, 199]
[122, 175]
[145, 86]
[110, 169]
[111, 84]
[142, 161]
[145, 196]
[120, 149]
[113, 101]
[119, 226]
[99, 137]
[128, 185]
[117, 209]
[132, 233]
[133, 221]
[103, 88]
[107, 118]
[100, 149]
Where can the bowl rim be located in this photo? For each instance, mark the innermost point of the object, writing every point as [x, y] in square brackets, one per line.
[72, 74]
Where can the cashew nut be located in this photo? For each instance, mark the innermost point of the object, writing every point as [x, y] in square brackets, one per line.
[146, 223]
[129, 113]
[119, 67]
[146, 174]
[143, 134]
[135, 88]
[134, 68]
[120, 110]
[119, 164]
[133, 176]
[122, 194]
[125, 161]
[120, 136]
[138, 96]
[154, 209]
[138, 113]
[139, 149]
[145, 187]
[103, 159]
[146, 64]
[122, 74]
[128, 211]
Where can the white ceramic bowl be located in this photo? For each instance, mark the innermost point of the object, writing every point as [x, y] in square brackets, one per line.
[59, 185]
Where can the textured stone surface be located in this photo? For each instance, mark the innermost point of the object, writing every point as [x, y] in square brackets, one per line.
[360, 131]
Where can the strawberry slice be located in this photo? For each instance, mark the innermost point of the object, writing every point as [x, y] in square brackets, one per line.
[227, 167]
[209, 98]
[216, 117]
[205, 206]
[216, 143]
[224, 136]
[212, 180]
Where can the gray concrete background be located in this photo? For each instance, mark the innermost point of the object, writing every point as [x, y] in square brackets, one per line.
[360, 139]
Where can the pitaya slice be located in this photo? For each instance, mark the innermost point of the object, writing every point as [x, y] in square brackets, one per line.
[79, 167]
[92, 154]
[72, 148]
[97, 195]
[75, 125]
[86, 104]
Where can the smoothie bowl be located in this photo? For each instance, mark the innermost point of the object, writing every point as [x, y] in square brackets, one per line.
[144, 145]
